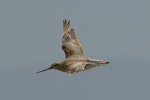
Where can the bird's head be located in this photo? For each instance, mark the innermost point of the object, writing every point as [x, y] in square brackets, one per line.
[55, 65]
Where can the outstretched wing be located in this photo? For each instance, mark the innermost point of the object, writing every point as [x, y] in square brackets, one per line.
[70, 43]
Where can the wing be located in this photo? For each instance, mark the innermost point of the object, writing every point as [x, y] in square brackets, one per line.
[70, 43]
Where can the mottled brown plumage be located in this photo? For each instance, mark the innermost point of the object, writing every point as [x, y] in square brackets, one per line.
[75, 60]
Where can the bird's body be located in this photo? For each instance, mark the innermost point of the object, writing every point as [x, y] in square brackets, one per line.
[75, 61]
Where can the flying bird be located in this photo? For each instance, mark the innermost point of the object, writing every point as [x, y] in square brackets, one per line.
[75, 61]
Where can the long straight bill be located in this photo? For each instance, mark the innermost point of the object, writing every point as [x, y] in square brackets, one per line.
[43, 70]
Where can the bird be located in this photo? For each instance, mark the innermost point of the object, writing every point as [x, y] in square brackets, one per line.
[75, 60]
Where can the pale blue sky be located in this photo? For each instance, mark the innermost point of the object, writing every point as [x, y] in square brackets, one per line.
[115, 30]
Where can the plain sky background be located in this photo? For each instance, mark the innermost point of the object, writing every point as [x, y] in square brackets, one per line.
[115, 30]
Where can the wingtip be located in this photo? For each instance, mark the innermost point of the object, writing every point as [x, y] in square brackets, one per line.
[68, 22]
[66, 25]
[65, 21]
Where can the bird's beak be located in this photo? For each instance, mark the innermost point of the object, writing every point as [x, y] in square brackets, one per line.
[44, 70]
